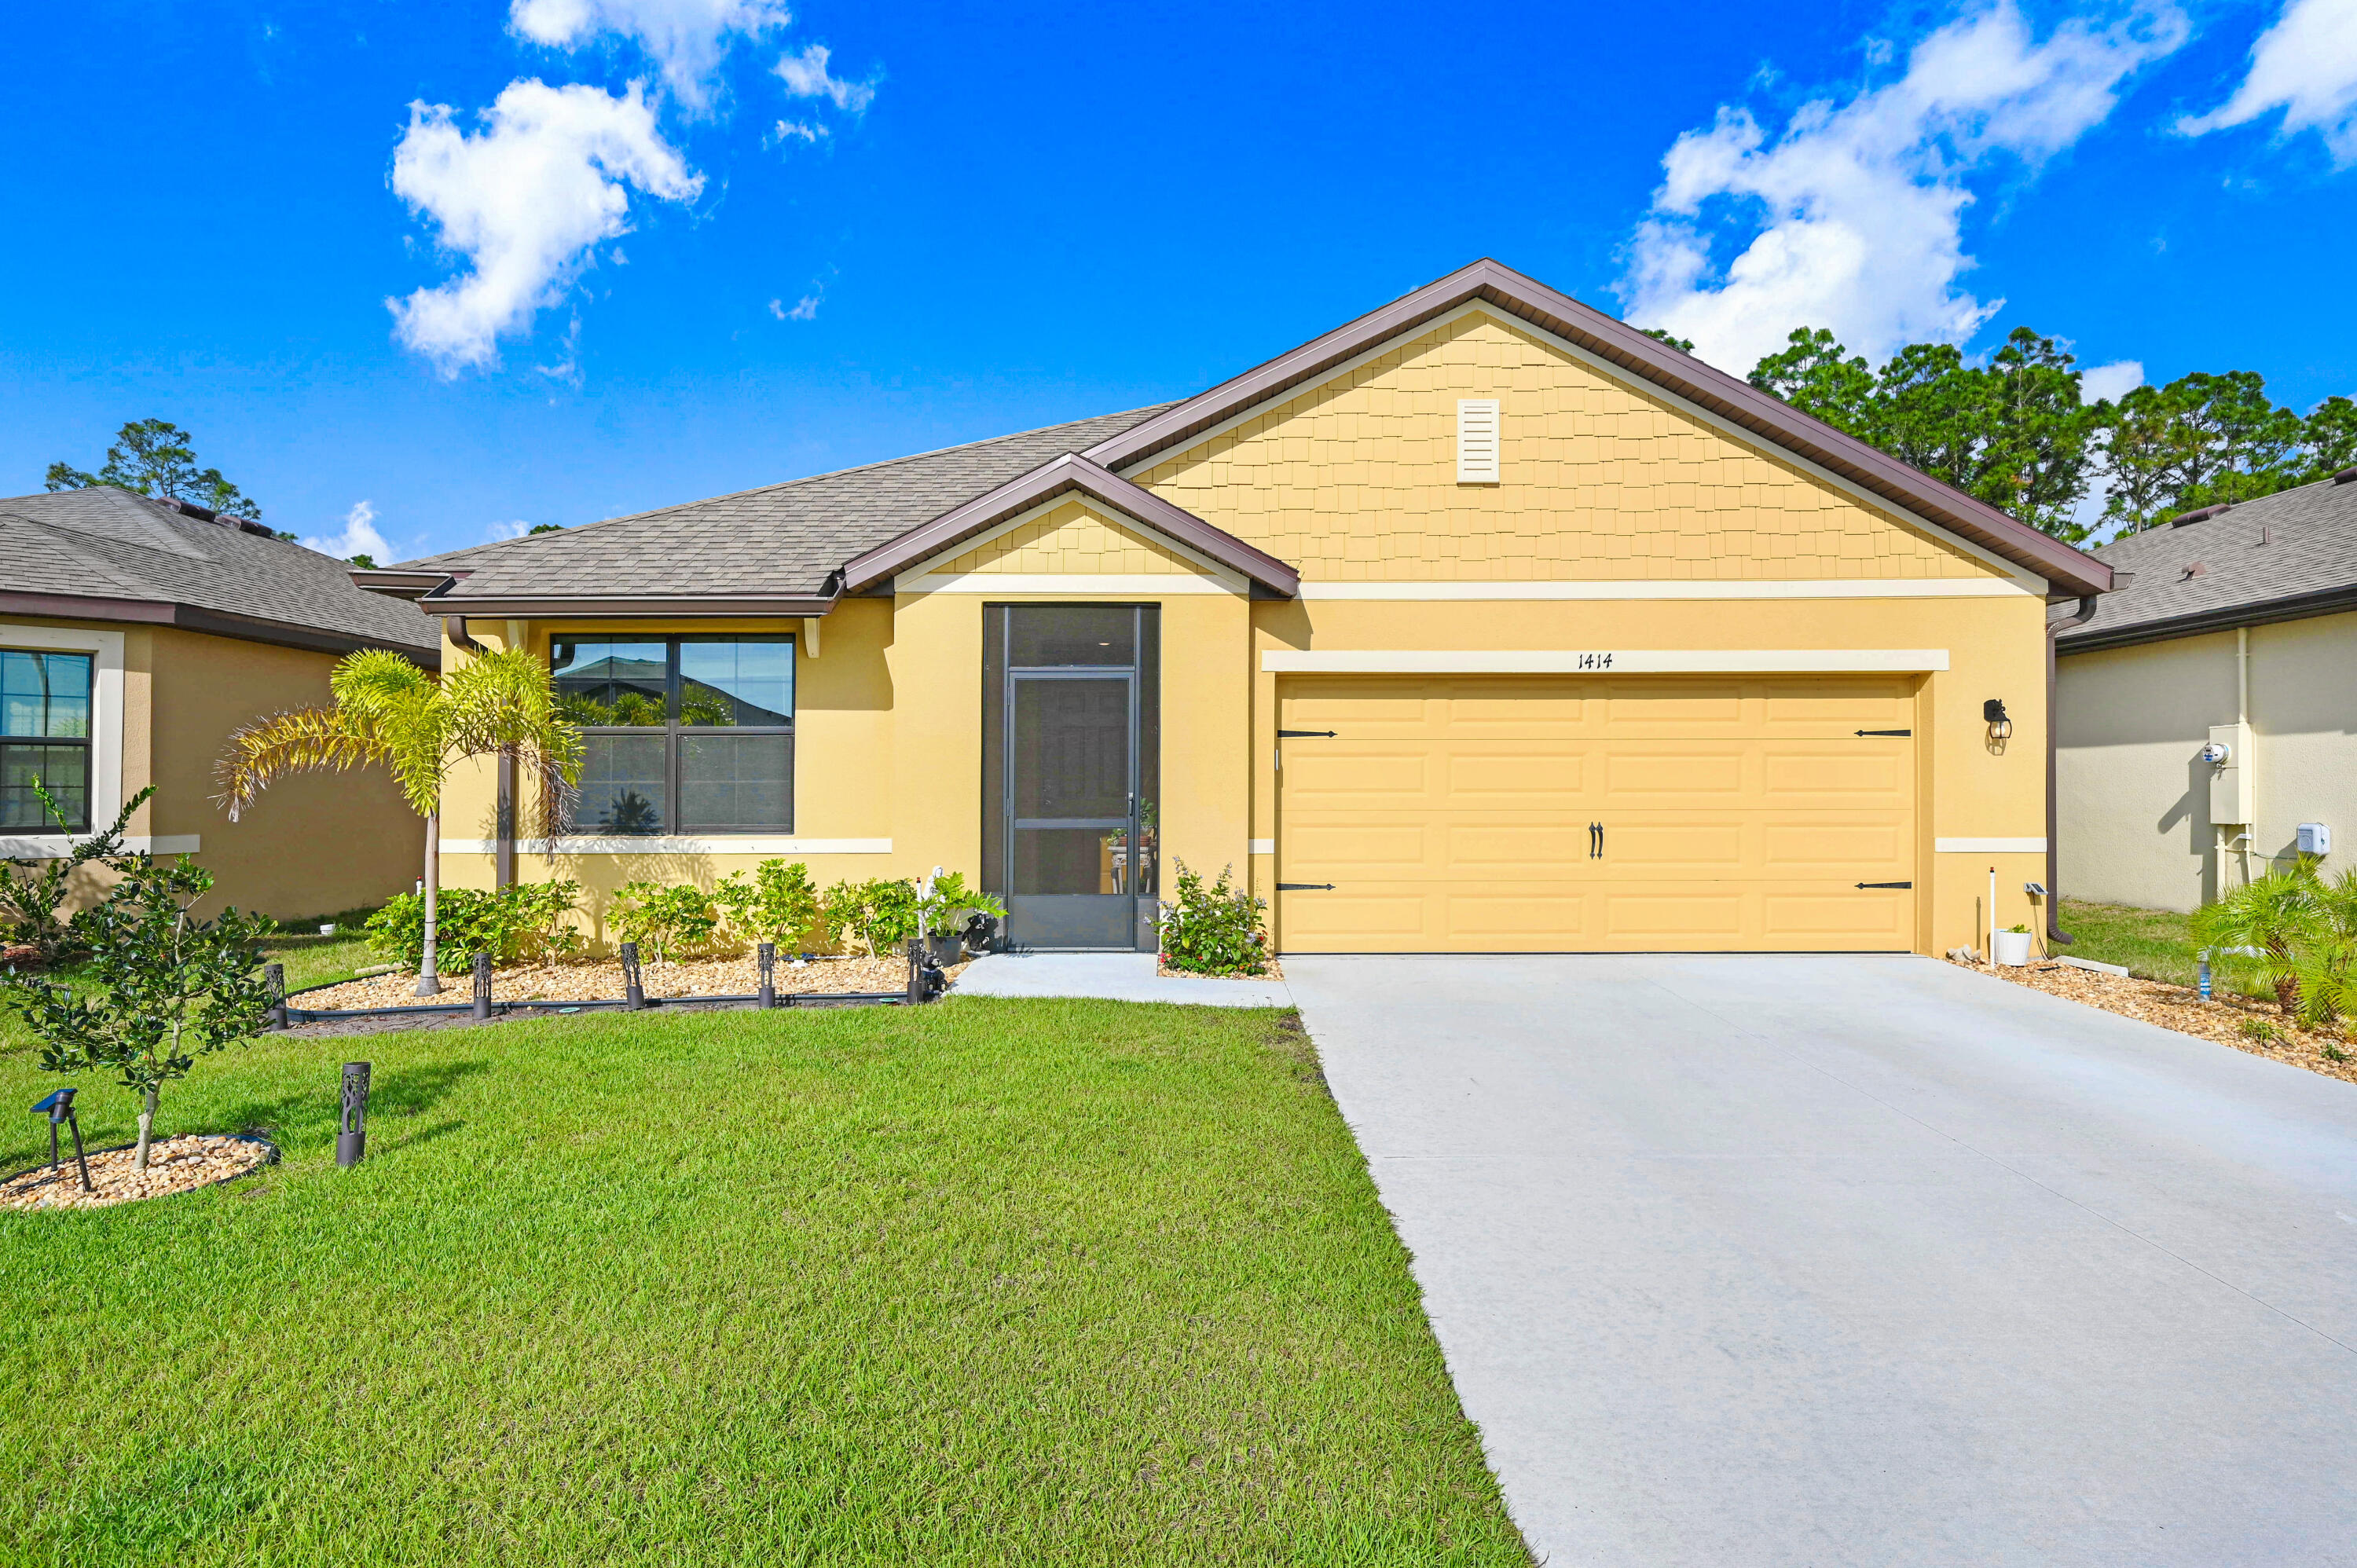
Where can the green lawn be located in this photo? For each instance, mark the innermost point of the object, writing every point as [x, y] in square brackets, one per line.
[987, 1281]
[2151, 942]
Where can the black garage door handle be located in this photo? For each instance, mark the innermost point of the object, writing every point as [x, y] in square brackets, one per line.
[1290, 733]
[1305, 887]
[1886, 884]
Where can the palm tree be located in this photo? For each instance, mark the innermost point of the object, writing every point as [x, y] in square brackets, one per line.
[389, 712]
[2262, 928]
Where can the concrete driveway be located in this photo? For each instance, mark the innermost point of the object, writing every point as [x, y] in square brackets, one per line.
[1863, 1259]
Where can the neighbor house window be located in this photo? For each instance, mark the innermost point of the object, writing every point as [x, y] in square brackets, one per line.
[44, 737]
[682, 734]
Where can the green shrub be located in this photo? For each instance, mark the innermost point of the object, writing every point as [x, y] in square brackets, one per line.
[1214, 930]
[950, 904]
[780, 904]
[524, 920]
[666, 922]
[881, 915]
[33, 892]
[2292, 932]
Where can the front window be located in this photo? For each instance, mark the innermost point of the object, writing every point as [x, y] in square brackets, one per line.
[44, 738]
[682, 734]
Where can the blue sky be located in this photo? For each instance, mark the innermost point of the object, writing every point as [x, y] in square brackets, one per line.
[629, 252]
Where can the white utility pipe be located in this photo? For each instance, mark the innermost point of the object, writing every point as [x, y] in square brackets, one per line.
[1991, 948]
[2243, 717]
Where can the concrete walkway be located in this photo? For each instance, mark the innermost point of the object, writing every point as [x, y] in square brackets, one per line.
[1116, 976]
[1861, 1260]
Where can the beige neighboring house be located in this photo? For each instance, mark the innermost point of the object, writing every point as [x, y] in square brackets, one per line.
[134, 636]
[2209, 709]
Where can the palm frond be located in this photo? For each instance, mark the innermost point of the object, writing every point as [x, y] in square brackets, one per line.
[299, 740]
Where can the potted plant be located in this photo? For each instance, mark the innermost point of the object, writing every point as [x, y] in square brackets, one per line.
[2011, 948]
[951, 908]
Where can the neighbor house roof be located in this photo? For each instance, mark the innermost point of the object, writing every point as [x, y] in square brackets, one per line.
[104, 554]
[784, 549]
[2280, 557]
[775, 548]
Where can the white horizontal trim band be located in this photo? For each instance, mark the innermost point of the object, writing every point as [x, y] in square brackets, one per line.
[1614, 662]
[57, 846]
[1814, 588]
[657, 845]
[1990, 846]
[1133, 584]
[1263, 846]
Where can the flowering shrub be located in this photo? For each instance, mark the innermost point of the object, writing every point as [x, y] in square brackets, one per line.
[1214, 930]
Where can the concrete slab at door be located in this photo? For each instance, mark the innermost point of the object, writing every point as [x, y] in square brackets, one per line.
[1766, 1261]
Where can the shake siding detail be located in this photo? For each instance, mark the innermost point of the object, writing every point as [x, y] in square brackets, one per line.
[1073, 540]
[1356, 480]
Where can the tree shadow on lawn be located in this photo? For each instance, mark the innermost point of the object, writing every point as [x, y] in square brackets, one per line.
[307, 1121]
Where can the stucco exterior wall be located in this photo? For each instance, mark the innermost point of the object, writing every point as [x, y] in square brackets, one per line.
[1355, 480]
[2134, 795]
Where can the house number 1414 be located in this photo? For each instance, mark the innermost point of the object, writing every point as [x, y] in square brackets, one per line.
[1595, 662]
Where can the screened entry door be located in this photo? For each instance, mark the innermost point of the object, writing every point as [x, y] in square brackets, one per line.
[1074, 820]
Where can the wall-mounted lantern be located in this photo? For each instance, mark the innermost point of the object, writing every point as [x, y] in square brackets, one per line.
[58, 1107]
[1993, 714]
[352, 1129]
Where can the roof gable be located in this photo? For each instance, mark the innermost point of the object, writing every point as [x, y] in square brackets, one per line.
[1587, 331]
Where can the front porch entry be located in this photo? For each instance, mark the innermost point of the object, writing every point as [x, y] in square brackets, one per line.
[1072, 740]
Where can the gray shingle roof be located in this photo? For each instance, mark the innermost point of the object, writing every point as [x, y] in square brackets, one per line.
[781, 539]
[2309, 557]
[107, 543]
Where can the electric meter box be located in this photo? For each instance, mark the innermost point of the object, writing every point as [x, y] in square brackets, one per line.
[2315, 838]
[2231, 789]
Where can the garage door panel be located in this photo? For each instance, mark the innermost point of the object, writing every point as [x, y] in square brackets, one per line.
[1825, 776]
[1453, 814]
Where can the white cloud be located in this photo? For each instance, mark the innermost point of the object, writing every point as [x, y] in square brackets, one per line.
[2305, 65]
[523, 200]
[515, 528]
[804, 309]
[2109, 384]
[685, 39]
[806, 75]
[359, 537]
[796, 129]
[1855, 211]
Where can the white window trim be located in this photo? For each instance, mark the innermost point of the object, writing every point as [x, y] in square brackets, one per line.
[105, 734]
[1622, 662]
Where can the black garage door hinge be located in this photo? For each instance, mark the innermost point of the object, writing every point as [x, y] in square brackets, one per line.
[1886, 884]
[1305, 887]
[1885, 732]
[1289, 734]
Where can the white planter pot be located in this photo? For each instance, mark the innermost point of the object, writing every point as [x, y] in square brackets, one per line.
[2012, 948]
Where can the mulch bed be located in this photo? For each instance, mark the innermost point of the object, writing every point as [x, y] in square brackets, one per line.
[590, 980]
[2229, 1019]
[174, 1165]
[1274, 971]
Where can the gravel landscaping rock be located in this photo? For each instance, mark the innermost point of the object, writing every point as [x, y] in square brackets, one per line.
[592, 979]
[174, 1165]
[2241, 1022]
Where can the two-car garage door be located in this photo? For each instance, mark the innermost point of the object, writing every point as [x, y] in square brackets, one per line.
[1542, 813]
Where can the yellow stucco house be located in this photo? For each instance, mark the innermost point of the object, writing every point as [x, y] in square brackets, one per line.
[1483, 623]
[135, 634]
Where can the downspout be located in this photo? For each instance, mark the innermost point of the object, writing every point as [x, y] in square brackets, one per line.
[2242, 724]
[2054, 628]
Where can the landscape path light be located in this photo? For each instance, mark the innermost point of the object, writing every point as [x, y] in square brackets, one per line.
[60, 1108]
[483, 988]
[352, 1135]
[274, 976]
[768, 959]
[634, 994]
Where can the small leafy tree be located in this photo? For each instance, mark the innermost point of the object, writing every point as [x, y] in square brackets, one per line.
[523, 919]
[779, 904]
[881, 913]
[1216, 929]
[162, 987]
[33, 891]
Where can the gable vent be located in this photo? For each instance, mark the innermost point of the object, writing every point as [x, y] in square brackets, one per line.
[1476, 441]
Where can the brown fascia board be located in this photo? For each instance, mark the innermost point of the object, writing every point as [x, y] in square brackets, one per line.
[215, 623]
[1070, 472]
[616, 606]
[1775, 421]
[395, 583]
[2094, 637]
